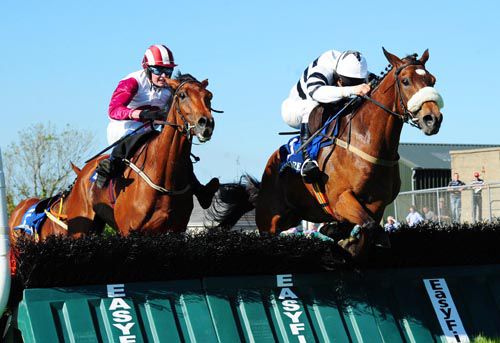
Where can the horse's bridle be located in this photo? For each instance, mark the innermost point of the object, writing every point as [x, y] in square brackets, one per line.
[183, 129]
[186, 128]
[407, 116]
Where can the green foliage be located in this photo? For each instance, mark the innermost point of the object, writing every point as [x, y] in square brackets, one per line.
[38, 163]
[481, 339]
[109, 231]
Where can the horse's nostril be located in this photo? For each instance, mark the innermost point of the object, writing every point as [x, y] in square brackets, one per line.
[429, 120]
[202, 121]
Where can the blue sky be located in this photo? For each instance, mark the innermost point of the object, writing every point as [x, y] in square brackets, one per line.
[61, 60]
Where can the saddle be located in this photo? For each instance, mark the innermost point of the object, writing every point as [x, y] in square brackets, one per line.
[324, 117]
[44, 204]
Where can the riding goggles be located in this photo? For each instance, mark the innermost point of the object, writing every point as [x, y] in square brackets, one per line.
[161, 70]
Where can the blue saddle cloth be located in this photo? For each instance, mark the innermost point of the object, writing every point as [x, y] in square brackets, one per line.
[32, 221]
[291, 159]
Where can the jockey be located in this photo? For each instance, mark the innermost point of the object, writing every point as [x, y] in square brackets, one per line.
[140, 97]
[331, 77]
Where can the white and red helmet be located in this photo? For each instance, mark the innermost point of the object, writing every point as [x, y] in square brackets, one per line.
[158, 55]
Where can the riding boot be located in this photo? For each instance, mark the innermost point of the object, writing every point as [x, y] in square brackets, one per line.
[204, 193]
[106, 170]
[113, 166]
[310, 171]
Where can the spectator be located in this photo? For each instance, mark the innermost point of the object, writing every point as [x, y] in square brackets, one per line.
[444, 212]
[456, 197]
[429, 216]
[413, 218]
[477, 201]
[391, 225]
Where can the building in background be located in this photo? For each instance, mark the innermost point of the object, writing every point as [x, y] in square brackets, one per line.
[424, 166]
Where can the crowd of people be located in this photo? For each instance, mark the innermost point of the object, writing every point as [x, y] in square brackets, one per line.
[446, 213]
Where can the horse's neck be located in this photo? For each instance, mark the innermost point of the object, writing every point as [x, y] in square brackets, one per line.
[171, 154]
[374, 128]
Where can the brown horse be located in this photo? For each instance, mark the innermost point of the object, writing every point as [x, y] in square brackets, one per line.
[157, 196]
[361, 177]
[57, 206]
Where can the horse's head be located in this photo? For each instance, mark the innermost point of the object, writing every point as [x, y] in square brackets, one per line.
[191, 104]
[415, 93]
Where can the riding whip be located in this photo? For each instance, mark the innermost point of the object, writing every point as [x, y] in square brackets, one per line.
[117, 142]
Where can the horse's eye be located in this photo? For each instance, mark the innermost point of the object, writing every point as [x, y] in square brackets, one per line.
[406, 81]
[182, 96]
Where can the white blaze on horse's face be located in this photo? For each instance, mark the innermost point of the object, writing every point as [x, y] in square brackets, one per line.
[423, 101]
[426, 103]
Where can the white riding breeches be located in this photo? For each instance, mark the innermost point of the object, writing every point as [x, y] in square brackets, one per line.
[119, 128]
[296, 111]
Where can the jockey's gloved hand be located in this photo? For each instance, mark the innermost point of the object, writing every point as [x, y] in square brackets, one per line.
[153, 115]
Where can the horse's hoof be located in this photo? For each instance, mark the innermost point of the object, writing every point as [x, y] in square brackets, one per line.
[345, 243]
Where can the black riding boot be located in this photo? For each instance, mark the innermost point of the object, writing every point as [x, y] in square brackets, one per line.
[310, 171]
[113, 166]
[204, 193]
[106, 170]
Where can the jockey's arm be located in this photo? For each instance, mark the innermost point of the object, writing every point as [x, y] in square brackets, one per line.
[122, 96]
[327, 94]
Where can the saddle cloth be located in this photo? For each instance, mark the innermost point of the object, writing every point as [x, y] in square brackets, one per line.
[32, 221]
[292, 159]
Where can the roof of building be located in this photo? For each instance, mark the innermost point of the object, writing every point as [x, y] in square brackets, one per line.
[433, 155]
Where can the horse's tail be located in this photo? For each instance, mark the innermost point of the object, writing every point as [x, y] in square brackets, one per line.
[233, 201]
[75, 169]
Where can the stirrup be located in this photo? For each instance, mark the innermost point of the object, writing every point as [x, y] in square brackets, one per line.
[309, 160]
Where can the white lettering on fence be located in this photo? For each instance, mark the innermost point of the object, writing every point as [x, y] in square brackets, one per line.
[291, 306]
[120, 312]
[445, 309]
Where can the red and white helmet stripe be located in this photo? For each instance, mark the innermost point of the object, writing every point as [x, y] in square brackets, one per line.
[158, 55]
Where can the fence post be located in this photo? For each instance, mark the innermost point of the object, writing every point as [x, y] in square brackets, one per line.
[396, 209]
[437, 206]
[4, 243]
[489, 202]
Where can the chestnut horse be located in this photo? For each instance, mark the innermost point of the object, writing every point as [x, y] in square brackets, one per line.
[361, 177]
[157, 196]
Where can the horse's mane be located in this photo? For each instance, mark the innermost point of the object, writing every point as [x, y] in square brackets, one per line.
[185, 77]
[377, 80]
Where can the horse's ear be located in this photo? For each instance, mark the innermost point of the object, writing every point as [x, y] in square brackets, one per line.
[425, 56]
[172, 83]
[394, 60]
[204, 83]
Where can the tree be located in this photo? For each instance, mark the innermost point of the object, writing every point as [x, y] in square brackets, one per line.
[38, 164]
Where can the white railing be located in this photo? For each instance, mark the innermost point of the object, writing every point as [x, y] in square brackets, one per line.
[4, 244]
[462, 204]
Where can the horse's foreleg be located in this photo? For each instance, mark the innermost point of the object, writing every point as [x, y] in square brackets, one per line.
[349, 208]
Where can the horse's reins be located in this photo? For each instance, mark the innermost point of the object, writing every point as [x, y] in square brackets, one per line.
[407, 117]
